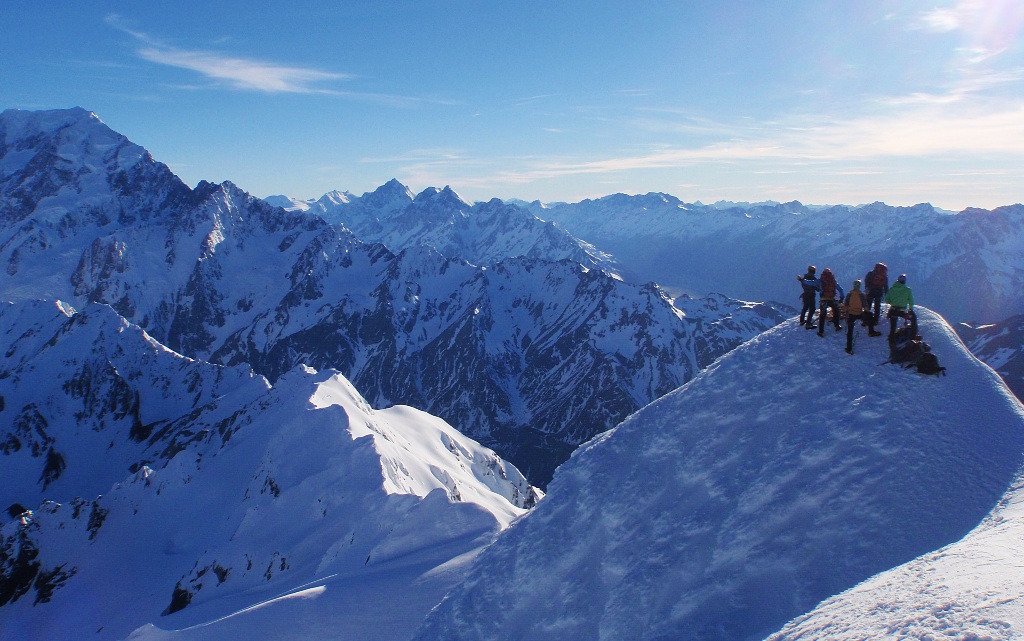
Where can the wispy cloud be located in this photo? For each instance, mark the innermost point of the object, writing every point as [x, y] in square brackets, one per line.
[992, 27]
[242, 73]
[901, 131]
[236, 72]
[940, 20]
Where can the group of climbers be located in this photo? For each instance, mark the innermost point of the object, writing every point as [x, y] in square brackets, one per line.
[859, 305]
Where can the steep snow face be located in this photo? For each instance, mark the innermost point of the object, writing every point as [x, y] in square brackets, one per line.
[1001, 346]
[66, 179]
[970, 589]
[218, 492]
[785, 473]
[483, 234]
[967, 266]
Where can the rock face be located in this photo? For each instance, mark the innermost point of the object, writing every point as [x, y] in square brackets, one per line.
[785, 473]
[967, 266]
[530, 355]
[196, 486]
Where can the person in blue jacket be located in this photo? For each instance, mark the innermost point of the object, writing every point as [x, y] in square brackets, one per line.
[811, 285]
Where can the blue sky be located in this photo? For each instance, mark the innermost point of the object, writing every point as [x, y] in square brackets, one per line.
[817, 100]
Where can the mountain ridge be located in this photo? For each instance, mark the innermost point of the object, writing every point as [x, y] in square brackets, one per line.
[204, 485]
[216, 274]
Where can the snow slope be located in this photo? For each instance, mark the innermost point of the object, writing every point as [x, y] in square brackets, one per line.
[202, 495]
[972, 589]
[785, 473]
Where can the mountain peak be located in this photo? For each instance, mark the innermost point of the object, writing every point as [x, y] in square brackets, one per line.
[20, 123]
[445, 197]
[390, 196]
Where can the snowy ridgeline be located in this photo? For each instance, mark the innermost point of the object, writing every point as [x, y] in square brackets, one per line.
[785, 474]
[177, 492]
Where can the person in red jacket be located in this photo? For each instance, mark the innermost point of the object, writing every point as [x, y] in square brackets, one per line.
[876, 282]
[828, 301]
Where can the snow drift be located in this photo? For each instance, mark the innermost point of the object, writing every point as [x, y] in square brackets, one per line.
[785, 473]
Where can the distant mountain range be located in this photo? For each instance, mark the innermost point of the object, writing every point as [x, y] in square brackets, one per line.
[483, 234]
[967, 266]
[528, 351]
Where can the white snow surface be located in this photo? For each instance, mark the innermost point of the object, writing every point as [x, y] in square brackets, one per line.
[972, 589]
[784, 474]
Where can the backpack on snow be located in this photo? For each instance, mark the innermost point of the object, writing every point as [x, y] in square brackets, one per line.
[910, 351]
[928, 363]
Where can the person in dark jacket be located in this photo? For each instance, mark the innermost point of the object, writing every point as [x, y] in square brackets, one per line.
[810, 286]
[901, 305]
[876, 283]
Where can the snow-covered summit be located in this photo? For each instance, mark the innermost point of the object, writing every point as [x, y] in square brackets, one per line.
[288, 203]
[55, 162]
[785, 473]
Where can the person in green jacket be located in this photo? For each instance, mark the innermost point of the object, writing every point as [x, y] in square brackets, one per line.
[901, 305]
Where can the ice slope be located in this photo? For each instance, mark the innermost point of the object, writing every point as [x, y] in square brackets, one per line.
[225, 495]
[785, 473]
[971, 589]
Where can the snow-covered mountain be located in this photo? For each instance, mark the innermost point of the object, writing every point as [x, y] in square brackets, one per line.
[967, 266]
[531, 356]
[288, 203]
[175, 492]
[1001, 346]
[483, 234]
[785, 473]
